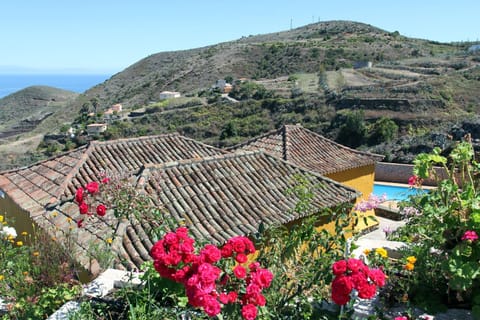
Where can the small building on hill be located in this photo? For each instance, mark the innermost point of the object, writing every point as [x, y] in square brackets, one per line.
[217, 194]
[362, 64]
[117, 107]
[164, 95]
[310, 150]
[223, 86]
[96, 128]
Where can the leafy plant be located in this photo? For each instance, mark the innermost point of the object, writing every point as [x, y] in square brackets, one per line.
[443, 233]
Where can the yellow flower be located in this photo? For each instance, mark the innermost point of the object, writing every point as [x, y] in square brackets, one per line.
[10, 237]
[69, 220]
[1, 275]
[109, 240]
[36, 253]
[409, 266]
[54, 239]
[1, 218]
[25, 273]
[411, 259]
[54, 214]
[24, 233]
[367, 252]
[381, 252]
[19, 243]
[4, 223]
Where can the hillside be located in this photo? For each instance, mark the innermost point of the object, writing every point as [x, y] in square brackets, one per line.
[25, 116]
[403, 95]
[309, 49]
[26, 109]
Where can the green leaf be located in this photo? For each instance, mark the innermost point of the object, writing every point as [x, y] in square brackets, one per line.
[476, 312]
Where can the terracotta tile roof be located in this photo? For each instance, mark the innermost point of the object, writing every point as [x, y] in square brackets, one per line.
[224, 196]
[308, 149]
[216, 197]
[56, 179]
[217, 194]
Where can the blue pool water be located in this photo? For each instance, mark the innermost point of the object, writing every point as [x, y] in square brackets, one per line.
[395, 192]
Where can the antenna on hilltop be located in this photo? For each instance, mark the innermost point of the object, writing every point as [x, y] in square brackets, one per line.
[291, 23]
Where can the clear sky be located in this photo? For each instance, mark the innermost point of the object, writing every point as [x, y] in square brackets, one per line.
[105, 36]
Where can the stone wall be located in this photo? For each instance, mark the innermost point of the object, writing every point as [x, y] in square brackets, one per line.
[398, 173]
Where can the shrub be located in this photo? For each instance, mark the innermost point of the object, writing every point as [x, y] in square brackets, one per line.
[443, 232]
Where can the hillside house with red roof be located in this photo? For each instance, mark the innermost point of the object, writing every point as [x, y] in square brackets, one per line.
[312, 151]
[215, 193]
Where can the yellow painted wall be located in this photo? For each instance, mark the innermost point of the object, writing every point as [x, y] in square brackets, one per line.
[360, 179]
[15, 216]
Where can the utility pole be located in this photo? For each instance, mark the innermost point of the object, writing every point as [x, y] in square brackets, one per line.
[291, 23]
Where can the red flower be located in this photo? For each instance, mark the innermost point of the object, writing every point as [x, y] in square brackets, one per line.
[412, 180]
[339, 267]
[79, 195]
[239, 272]
[366, 290]
[469, 235]
[232, 296]
[341, 288]
[83, 208]
[211, 253]
[92, 187]
[105, 180]
[223, 297]
[377, 276]
[249, 312]
[80, 223]
[354, 265]
[211, 305]
[263, 277]
[241, 258]
[101, 210]
[227, 250]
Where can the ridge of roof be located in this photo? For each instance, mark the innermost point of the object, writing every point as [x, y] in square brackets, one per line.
[249, 141]
[36, 163]
[365, 153]
[145, 170]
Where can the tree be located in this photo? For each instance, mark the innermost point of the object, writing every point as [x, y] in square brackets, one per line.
[94, 102]
[353, 130]
[383, 130]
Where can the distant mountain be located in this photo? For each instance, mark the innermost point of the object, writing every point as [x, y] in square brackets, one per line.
[26, 109]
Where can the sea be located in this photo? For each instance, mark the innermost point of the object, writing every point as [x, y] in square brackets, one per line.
[11, 83]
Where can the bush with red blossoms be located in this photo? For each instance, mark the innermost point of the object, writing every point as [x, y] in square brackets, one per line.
[88, 204]
[353, 274]
[214, 279]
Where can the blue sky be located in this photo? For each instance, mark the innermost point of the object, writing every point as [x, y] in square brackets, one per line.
[104, 36]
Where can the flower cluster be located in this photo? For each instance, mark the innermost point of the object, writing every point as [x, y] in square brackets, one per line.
[215, 276]
[410, 212]
[83, 198]
[353, 274]
[371, 203]
[410, 265]
[470, 235]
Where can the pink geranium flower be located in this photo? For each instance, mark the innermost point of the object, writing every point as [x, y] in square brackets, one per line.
[470, 235]
[412, 180]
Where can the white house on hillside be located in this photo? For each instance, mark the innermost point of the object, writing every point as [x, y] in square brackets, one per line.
[117, 107]
[96, 128]
[169, 95]
[223, 86]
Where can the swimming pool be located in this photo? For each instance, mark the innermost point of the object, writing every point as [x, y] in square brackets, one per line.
[395, 192]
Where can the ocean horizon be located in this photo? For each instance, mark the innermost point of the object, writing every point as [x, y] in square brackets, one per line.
[11, 83]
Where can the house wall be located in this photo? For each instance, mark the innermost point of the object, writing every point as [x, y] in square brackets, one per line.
[360, 179]
[15, 216]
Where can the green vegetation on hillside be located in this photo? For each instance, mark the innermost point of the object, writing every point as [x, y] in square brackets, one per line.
[409, 94]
